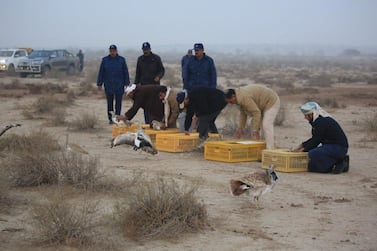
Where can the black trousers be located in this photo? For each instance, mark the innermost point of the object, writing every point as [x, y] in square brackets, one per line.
[206, 124]
[110, 104]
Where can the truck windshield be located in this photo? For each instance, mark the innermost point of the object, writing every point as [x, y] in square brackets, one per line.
[40, 54]
[6, 53]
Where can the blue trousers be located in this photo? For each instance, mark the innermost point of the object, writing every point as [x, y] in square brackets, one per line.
[323, 158]
[110, 104]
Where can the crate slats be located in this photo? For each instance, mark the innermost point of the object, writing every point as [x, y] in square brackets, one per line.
[285, 161]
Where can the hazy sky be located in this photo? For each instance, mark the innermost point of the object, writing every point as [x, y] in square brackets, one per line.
[99, 23]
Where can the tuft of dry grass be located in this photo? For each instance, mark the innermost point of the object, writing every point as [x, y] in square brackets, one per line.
[60, 222]
[47, 106]
[84, 122]
[80, 170]
[160, 209]
[4, 190]
[370, 124]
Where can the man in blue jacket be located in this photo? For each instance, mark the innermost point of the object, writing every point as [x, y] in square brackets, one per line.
[113, 74]
[199, 71]
[328, 146]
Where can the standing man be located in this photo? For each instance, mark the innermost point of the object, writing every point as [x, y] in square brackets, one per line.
[328, 146]
[206, 103]
[149, 70]
[80, 55]
[113, 74]
[260, 103]
[185, 59]
[199, 71]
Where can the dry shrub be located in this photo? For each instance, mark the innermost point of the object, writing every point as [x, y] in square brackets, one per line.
[160, 209]
[60, 222]
[4, 190]
[85, 122]
[230, 114]
[29, 159]
[49, 88]
[46, 105]
[370, 124]
[86, 89]
[80, 170]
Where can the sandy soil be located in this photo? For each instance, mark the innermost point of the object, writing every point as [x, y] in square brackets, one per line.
[305, 211]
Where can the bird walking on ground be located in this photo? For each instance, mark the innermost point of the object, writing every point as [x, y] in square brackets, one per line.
[255, 184]
[139, 140]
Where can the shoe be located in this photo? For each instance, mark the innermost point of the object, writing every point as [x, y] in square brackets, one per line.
[346, 161]
[341, 166]
[111, 122]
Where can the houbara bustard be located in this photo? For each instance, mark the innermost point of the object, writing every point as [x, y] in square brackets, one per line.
[139, 140]
[255, 184]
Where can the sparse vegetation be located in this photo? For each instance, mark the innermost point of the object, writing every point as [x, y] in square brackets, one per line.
[160, 209]
[280, 117]
[371, 124]
[84, 122]
[58, 221]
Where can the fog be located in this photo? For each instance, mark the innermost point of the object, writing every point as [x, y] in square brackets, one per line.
[175, 25]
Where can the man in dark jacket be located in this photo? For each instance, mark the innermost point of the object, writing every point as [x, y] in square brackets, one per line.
[199, 71]
[113, 74]
[146, 97]
[206, 103]
[149, 70]
[327, 132]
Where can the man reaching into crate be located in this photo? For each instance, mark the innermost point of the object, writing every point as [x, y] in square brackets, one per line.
[206, 103]
[260, 103]
[331, 155]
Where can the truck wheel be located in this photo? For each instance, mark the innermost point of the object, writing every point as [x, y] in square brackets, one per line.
[71, 70]
[11, 70]
[45, 70]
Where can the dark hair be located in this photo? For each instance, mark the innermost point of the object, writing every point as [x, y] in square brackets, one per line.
[229, 93]
[162, 89]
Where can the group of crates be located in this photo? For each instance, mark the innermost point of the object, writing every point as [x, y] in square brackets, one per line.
[223, 150]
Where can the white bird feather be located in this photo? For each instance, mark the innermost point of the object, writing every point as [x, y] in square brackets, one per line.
[139, 140]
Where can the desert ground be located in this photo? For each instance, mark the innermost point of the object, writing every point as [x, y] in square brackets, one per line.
[304, 211]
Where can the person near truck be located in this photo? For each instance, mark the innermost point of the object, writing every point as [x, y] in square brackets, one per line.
[113, 74]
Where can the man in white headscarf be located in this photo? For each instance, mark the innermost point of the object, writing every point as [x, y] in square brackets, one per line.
[331, 155]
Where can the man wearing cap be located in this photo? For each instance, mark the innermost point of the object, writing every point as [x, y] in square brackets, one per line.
[199, 71]
[146, 97]
[206, 103]
[260, 103]
[149, 70]
[113, 74]
[331, 155]
[186, 58]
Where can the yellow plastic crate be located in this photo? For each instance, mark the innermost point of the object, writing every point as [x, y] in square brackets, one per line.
[179, 142]
[234, 150]
[153, 133]
[285, 161]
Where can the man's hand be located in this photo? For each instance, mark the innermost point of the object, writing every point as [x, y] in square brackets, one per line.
[163, 126]
[256, 135]
[121, 117]
[299, 148]
[99, 88]
[239, 132]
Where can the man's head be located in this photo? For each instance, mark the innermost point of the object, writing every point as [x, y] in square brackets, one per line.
[113, 50]
[162, 92]
[146, 47]
[199, 50]
[182, 99]
[308, 110]
[189, 52]
[230, 96]
[130, 90]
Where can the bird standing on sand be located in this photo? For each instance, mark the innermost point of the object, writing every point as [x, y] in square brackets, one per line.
[255, 184]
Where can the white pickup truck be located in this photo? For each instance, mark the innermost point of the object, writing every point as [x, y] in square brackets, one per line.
[9, 59]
